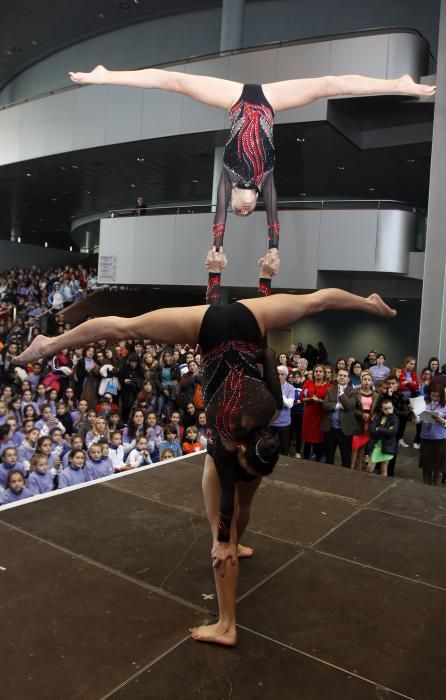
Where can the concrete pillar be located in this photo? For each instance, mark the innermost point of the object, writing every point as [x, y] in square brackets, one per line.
[231, 35]
[16, 226]
[432, 339]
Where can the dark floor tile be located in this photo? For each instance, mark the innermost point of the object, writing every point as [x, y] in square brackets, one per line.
[176, 483]
[71, 630]
[163, 546]
[257, 669]
[327, 478]
[406, 547]
[415, 500]
[380, 626]
[287, 512]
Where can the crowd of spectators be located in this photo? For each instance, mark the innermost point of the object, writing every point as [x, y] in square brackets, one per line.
[90, 412]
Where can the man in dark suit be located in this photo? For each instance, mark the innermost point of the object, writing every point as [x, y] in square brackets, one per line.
[340, 422]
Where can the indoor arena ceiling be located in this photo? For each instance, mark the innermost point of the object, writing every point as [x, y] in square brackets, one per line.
[31, 30]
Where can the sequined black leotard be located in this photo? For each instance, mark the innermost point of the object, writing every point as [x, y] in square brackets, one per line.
[232, 387]
[248, 160]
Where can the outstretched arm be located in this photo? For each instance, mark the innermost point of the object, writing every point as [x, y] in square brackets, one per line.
[296, 93]
[215, 92]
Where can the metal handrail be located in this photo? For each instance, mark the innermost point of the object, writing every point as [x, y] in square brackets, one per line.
[265, 46]
[200, 207]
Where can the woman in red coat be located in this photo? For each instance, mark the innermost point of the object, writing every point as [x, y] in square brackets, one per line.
[313, 394]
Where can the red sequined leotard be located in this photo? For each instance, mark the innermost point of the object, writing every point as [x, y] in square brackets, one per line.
[248, 160]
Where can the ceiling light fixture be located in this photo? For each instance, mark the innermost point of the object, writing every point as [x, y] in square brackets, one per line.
[133, 185]
[195, 180]
[29, 174]
[340, 168]
[46, 244]
[140, 159]
[301, 139]
[410, 160]
[75, 167]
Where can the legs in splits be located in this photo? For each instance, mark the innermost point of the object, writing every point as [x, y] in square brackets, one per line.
[182, 324]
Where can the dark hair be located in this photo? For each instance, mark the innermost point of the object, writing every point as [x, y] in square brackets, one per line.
[171, 428]
[262, 451]
[73, 453]
[437, 388]
[436, 360]
[11, 474]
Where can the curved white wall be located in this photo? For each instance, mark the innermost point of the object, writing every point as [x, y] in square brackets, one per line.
[98, 115]
[169, 250]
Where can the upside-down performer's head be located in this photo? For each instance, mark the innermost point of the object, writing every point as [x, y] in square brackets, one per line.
[258, 452]
[243, 200]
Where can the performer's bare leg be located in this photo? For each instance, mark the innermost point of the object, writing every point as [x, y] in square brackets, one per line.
[285, 94]
[182, 324]
[224, 631]
[288, 94]
[216, 92]
[245, 491]
[280, 310]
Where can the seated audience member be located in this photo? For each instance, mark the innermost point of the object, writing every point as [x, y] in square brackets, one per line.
[47, 422]
[59, 446]
[16, 436]
[383, 432]
[140, 455]
[116, 451]
[73, 474]
[192, 443]
[340, 422]
[15, 488]
[175, 420]
[64, 417]
[167, 454]
[170, 441]
[154, 433]
[115, 422]
[95, 465]
[40, 479]
[135, 429]
[98, 432]
[202, 428]
[8, 464]
[45, 447]
[76, 443]
[27, 447]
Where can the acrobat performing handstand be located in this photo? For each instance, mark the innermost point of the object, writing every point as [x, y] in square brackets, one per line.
[248, 162]
[240, 400]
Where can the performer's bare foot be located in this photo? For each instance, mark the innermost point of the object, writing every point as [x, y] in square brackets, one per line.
[407, 86]
[379, 307]
[215, 634]
[95, 77]
[39, 348]
[244, 552]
